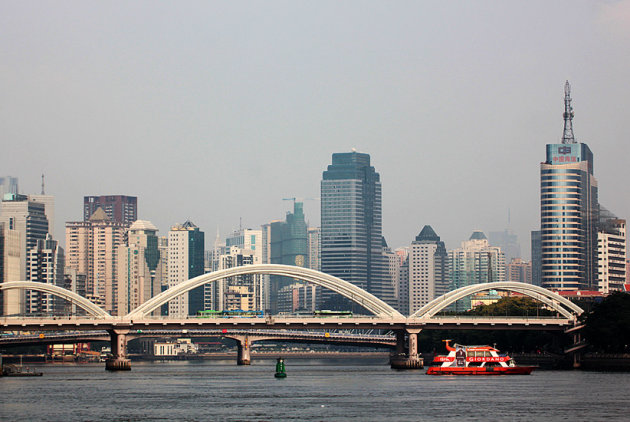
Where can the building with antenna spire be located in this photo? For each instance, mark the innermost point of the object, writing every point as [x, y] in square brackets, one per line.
[567, 134]
[49, 206]
[569, 211]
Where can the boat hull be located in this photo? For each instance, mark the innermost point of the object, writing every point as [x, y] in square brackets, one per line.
[512, 370]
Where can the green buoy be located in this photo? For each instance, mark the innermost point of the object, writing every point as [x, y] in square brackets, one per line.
[280, 369]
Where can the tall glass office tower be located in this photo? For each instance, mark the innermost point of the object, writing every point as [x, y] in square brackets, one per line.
[351, 224]
[569, 212]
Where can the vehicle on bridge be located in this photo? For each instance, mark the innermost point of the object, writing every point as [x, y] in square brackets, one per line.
[337, 314]
[476, 360]
[236, 313]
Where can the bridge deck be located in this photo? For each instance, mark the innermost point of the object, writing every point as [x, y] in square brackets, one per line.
[450, 322]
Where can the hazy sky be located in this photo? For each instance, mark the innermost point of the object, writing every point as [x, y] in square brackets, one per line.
[212, 111]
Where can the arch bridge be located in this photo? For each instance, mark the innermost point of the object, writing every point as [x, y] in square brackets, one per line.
[385, 316]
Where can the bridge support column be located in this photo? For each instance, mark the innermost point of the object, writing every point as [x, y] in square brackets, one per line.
[577, 355]
[400, 343]
[119, 349]
[409, 358]
[243, 347]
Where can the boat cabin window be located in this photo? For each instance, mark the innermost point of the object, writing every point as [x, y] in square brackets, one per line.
[479, 354]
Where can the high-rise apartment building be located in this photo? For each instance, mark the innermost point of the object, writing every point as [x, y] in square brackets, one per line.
[244, 292]
[392, 275]
[141, 269]
[475, 262]
[402, 254]
[314, 260]
[569, 212]
[25, 223]
[1, 265]
[297, 297]
[246, 239]
[12, 260]
[91, 248]
[119, 208]
[611, 254]
[351, 226]
[519, 270]
[75, 282]
[185, 261]
[46, 264]
[428, 269]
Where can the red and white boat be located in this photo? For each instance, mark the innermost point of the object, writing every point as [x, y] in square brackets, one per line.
[476, 360]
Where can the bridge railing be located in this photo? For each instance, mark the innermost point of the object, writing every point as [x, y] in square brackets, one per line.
[497, 317]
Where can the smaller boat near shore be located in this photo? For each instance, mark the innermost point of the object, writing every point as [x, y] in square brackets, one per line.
[19, 371]
[10, 370]
[476, 360]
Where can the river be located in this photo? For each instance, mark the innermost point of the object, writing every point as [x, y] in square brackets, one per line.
[315, 390]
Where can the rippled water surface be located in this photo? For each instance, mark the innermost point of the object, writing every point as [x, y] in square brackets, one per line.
[315, 390]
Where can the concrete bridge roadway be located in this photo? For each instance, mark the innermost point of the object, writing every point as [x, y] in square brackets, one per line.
[407, 329]
[358, 322]
[289, 336]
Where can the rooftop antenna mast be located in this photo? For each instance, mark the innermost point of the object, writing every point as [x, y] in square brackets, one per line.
[43, 191]
[567, 135]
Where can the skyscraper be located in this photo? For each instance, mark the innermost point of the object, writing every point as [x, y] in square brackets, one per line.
[185, 261]
[49, 206]
[569, 211]
[289, 246]
[428, 269]
[507, 240]
[351, 225]
[119, 208]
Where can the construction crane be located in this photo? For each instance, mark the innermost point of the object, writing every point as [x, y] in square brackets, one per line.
[300, 199]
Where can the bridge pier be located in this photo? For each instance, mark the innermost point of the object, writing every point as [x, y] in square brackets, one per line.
[119, 349]
[406, 357]
[243, 349]
[577, 355]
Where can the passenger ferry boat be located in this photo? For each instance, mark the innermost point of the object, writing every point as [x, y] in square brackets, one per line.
[476, 360]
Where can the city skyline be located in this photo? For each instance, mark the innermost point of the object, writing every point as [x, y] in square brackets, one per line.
[168, 122]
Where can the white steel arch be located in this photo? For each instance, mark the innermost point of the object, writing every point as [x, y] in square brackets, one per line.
[80, 301]
[344, 288]
[564, 306]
